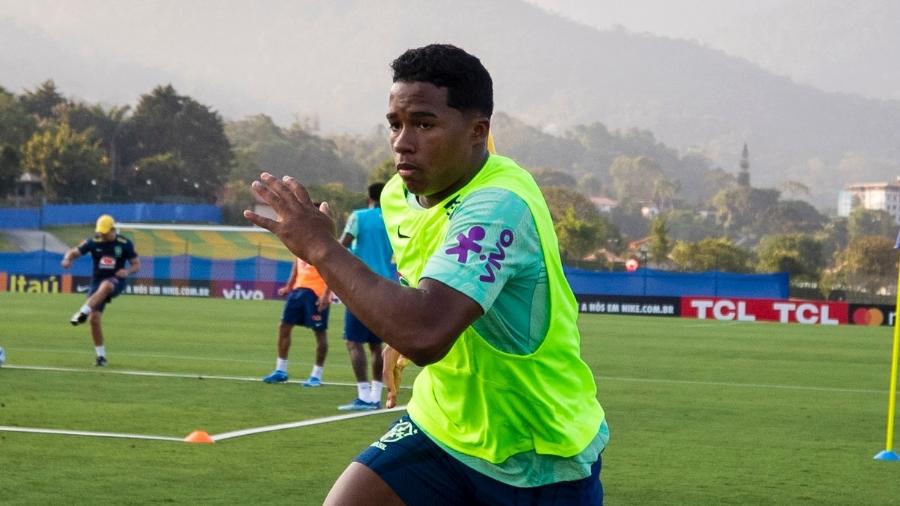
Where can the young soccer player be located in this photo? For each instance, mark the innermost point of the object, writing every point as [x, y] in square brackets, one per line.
[365, 235]
[308, 305]
[504, 410]
[110, 252]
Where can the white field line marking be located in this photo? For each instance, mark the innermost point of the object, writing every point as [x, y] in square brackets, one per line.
[217, 437]
[162, 374]
[80, 351]
[4, 428]
[743, 385]
[610, 378]
[302, 423]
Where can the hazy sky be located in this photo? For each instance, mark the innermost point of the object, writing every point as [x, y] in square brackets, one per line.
[834, 45]
[684, 19]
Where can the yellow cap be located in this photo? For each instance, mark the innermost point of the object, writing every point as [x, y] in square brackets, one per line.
[105, 223]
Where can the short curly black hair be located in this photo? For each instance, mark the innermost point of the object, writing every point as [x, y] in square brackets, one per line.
[469, 85]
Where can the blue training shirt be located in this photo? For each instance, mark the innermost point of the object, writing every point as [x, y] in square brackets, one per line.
[370, 241]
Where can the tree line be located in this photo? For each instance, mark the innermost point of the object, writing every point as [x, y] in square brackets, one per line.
[672, 210]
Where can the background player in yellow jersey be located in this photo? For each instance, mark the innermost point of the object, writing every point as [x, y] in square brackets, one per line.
[308, 305]
[504, 410]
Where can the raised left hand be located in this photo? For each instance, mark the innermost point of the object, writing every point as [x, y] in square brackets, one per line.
[307, 232]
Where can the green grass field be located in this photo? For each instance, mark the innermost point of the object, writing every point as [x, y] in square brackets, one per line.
[700, 412]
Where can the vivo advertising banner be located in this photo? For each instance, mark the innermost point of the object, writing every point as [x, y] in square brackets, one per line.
[245, 290]
[773, 310]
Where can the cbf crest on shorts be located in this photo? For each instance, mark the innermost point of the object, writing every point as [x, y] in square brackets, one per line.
[397, 432]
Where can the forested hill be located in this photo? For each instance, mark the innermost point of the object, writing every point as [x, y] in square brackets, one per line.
[331, 60]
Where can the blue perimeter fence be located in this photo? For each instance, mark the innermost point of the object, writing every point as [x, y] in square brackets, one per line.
[50, 215]
[642, 282]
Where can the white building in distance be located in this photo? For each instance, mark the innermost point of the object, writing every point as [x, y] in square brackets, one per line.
[884, 196]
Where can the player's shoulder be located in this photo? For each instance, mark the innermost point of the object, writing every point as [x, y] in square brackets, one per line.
[121, 239]
[491, 201]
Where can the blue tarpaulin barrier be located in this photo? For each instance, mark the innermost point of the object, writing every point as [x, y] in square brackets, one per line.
[81, 214]
[642, 282]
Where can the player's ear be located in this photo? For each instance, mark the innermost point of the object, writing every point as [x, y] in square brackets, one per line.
[481, 126]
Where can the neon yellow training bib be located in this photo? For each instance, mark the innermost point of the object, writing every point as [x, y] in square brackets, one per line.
[478, 400]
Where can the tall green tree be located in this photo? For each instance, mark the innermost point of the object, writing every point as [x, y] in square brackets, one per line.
[549, 177]
[165, 123]
[560, 199]
[789, 216]
[71, 164]
[579, 226]
[10, 169]
[629, 219]
[664, 193]
[711, 254]
[43, 100]
[16, 127]
[103, 123]
[659, 241]
[834, 236]
[865, 222]
[740, 209]
[688, 225]
[577, 238]
[634, 178]
[154, 176]
[869, 262]
[800, 255]
[16, 124]
[260, 144]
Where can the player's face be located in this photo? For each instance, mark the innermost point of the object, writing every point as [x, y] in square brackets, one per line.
[109, 236]
[436, 147]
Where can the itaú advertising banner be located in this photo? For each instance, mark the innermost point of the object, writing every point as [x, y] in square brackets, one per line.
[24, 283]
[773, 310]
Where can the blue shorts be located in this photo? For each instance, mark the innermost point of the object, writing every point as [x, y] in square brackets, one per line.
[300, 309]
[118, 284]
[356, 332]
[420, 472]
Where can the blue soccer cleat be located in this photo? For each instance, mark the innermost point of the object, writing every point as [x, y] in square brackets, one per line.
[312, 382]
[276, 377]
[360, 405]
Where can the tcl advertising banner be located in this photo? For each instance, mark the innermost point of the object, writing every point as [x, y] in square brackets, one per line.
[773, 310]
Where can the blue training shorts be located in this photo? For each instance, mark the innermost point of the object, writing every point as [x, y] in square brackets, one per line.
[300, 309]
[420, 472]
[117, 282]
[355, 331]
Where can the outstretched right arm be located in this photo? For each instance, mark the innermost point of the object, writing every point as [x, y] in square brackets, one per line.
[422, 323]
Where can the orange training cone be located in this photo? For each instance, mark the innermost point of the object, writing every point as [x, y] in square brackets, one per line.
[199, 436]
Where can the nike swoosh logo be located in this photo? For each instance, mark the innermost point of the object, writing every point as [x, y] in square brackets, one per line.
[82, 288]
[401, 234]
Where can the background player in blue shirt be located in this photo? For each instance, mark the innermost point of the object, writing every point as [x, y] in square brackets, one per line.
[109, 252]
[367, 239]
